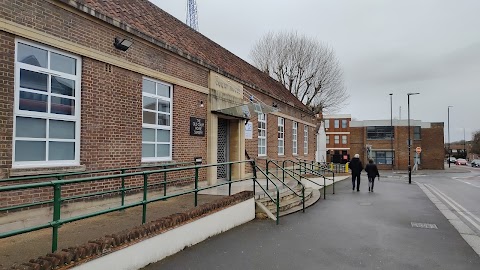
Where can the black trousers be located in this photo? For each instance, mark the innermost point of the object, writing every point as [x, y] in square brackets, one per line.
[356, 176]
[371, 182]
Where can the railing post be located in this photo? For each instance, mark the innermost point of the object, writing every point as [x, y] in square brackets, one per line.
[230, 179]
[144, 206]
[254, 167]
[303, 198]
[278, 205]
[164, 182]
[123, 187]
[324, 188]
[57, 193]
[196, 186]
[333, 184]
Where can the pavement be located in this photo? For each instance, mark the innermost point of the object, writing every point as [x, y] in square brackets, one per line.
[396, 227]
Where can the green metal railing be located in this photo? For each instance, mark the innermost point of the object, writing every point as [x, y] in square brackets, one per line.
[319, 167]
[283, 180]
[57, 200]
[277, 201]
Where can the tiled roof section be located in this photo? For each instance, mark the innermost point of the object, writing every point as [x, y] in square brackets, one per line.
[153, 21]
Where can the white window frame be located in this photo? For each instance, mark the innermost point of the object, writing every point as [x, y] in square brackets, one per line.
[344, 123]
[46, 115]
[327, 141]
[294, 138]
[344, 139]
[336, 123]
[281, 136]
[156, 126]
[327, 123]
[305, 139]
[262, 120]
[336, 139]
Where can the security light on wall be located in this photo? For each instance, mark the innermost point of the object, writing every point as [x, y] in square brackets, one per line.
[122, 44]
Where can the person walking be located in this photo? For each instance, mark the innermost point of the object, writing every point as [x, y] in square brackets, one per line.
[372, 172]
[356, 167]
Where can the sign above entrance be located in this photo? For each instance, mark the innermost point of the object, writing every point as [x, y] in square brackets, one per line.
[197, 126]
[223, 84]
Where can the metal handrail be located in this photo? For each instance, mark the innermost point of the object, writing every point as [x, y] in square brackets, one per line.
[60, 176]
[325, 169]
[57, 199]
[277, 202]
[301, 176]
[298, 181]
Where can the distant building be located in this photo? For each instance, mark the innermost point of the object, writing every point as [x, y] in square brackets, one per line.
[387, 145]
[337, 134]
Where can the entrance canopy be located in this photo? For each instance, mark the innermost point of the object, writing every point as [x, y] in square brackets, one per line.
[244, 111]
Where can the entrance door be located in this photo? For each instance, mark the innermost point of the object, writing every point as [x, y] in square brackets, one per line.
[222, 148]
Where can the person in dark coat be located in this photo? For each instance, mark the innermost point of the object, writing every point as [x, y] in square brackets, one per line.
[372, 172]
[356, 167]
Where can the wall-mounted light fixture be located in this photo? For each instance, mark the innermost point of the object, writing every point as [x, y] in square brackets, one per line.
[122, 44]
[201, 104]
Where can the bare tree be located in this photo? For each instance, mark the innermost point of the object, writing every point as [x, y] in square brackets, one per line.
[476, 142]
[306, 67]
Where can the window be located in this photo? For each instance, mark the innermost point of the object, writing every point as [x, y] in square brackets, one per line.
[157, 121]
[380, 133]
[327, 123]
[47, 112]
[336, 123]
[344, 123]
[337, 139]
[262, 134]
[328, 140]
[344, 139]
[305, 139]
[294, 138]
[281, 136]
[417, 133]
[382, 157]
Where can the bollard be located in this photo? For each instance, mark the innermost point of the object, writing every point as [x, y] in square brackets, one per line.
[346, 167]
[331, 166]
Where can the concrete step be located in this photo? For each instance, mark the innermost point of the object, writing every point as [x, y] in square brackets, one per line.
[284, 195]
[288, 205]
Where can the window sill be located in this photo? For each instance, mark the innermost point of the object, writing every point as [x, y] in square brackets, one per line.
[45, 170]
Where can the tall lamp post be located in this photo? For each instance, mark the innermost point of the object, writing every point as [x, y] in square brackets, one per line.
[391, 129]
[409, 141]
[448, 121]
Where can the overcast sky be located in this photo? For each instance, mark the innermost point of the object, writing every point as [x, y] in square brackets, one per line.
[384, 46]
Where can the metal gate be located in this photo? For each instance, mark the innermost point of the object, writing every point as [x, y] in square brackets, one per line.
[222, 148]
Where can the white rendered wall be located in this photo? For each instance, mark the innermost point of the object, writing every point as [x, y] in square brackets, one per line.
[321, 155]
[158, 247]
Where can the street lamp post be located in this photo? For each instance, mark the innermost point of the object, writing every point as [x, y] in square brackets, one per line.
[391, 129]
[448, 121]
[409, 141]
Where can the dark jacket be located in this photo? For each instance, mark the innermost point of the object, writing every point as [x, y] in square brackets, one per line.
[372, 170]
[356, 166]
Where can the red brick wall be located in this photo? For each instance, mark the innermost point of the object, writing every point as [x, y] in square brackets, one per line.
[7, 57]
[432, 147]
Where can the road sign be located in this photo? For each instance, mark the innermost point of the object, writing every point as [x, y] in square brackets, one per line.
[418, 149]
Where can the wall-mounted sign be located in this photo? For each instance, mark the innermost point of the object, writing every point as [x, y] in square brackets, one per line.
[197, 126]
[249, 131]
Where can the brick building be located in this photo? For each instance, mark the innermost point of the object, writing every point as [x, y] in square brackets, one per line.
[375, 139]
[337, 134]
[93, 84]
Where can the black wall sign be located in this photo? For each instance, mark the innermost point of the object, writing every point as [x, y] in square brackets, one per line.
[197, 126]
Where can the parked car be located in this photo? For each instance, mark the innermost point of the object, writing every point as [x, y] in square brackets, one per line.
[475, 163]
[451, 160]
[461, 161]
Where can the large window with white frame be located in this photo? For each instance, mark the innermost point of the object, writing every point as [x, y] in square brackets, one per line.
[281, 136]
[295, 138]
[157, 121]
[262, 134]
[327, 123]
[337, 139]
[344, 139]
[47, 106]
[305, 139]
[328, 139]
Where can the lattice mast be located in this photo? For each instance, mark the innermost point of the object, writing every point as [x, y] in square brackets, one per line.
[192, 16]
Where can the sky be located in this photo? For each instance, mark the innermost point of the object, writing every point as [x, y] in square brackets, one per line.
[384, 46]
